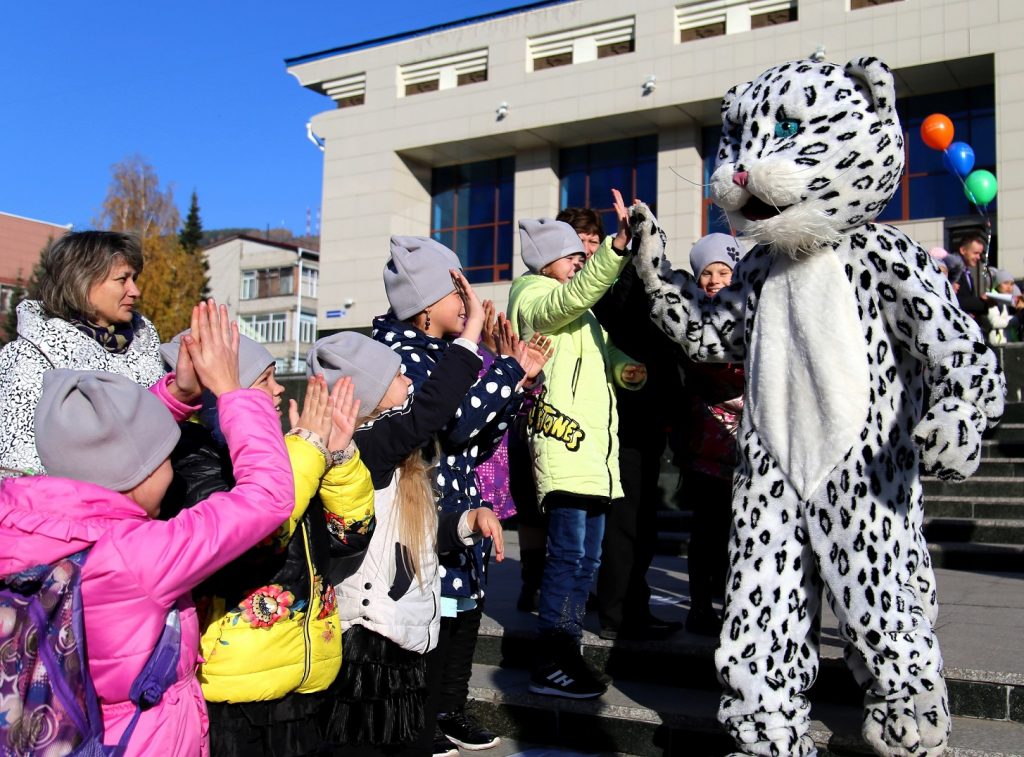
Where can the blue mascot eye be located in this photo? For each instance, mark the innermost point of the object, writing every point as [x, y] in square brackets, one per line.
[787, 128]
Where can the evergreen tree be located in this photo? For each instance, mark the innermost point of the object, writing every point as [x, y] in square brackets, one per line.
[22, 290]
[191, 237]
[191, 234]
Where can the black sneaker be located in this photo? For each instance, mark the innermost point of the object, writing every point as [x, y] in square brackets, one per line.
[466, 732]
[443, 746]
[572, 681]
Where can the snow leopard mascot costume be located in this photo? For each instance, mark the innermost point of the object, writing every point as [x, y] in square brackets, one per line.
[858, 361]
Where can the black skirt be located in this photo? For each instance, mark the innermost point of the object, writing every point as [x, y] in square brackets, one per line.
[379, 695]
[288, 727]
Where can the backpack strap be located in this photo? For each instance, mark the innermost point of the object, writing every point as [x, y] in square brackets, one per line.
[157, 675]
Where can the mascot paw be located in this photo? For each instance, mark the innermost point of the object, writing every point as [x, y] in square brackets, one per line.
[913, 726]
[949, 436]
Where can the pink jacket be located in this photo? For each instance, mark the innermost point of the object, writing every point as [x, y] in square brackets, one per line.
[139, 568]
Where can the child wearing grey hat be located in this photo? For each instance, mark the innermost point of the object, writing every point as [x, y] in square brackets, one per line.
[388, 605]
[573, 431]
[105, 442]
[420, 340]
[256, 661]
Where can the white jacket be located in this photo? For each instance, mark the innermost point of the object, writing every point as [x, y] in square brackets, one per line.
[45, 343]
[374, 597]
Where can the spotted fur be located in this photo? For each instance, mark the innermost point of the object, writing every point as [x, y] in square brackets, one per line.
[933, 388]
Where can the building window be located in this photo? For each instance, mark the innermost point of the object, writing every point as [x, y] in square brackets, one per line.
[249, 284]
[927, 189]
[310, 282]
[587, 175]
[714, 218]
[858, 4]
[266, 328]
[347, 91]
[471, 213]
[268, 282]
[307, 328]
[581, 45]
[448, 72]
[714, 18]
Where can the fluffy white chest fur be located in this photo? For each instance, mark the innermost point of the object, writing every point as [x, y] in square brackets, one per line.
[809, 380]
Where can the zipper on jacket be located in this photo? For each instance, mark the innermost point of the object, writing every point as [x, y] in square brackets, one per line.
[576, 375]
[307, 641]
[608, 457]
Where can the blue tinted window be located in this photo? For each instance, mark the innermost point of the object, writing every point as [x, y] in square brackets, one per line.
[715, 219]
[471, 213]
[588, 174]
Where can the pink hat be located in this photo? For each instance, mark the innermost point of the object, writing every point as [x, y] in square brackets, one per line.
[938, 253]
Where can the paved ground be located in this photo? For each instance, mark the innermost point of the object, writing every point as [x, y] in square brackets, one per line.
[980, 623]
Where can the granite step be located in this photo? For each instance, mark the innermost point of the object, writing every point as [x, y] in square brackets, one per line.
[977, 486]
[649, 719]
[1002, 467]
[971, 556]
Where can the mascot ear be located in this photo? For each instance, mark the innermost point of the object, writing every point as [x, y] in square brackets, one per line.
[730, 96]
[877, 80]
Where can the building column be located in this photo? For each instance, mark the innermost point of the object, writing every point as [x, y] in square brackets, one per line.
[679, 208]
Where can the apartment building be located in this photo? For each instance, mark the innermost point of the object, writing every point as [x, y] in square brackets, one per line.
[22, 241]
[271, 288]
[458, 130]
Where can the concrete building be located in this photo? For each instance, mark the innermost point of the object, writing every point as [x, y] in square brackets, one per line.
[461, 129]
[22, 241]
[271, 288]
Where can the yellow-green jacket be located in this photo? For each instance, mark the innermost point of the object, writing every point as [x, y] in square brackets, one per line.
[573, 425]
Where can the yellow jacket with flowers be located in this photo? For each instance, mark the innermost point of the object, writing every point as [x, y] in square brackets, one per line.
[269, 620]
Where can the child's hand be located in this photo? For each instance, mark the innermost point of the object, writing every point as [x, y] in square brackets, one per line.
[621, 241]
[213, 347]
[490, 325]
[483, 521]
[316, 409]
[345, 415]
[504, 336]
[634, 373]
[185, 385]
[541, 349]
[474, 308]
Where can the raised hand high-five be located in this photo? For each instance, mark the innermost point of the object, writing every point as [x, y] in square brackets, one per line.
[345, 416]
[212, 347]
[317, 407]
[474, 308]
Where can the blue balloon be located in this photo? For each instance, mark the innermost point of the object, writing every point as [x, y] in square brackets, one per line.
[958, 159]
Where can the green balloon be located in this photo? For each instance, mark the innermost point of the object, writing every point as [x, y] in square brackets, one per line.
[980, 187]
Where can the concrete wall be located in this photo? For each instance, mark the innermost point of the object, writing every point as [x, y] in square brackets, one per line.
[379, 155]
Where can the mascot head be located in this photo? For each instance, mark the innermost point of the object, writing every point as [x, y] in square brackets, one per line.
[809, 150]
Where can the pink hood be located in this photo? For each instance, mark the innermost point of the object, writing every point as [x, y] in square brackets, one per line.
[139, 568]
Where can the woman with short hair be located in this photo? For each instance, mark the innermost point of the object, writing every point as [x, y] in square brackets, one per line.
[84, 319]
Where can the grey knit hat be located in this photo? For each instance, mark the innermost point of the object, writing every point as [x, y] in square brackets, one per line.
[418, 274]
[253, 357]
[102, 428]
[545, 240]
[1001, 277]
[371, 365]
[715, 248]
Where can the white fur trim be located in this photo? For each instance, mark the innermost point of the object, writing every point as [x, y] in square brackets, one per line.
[808, 346]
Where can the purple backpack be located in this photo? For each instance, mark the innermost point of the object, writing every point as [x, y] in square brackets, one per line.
[48, 705]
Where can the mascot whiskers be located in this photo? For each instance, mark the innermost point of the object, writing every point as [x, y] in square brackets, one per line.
[860, 368]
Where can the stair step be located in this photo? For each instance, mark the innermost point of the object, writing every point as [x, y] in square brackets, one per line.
[1007, 466]
[963, 507]
[976, 486]
[997, 449]
[974, 530]
[648, 719]
[995, 558]
[1013, 412]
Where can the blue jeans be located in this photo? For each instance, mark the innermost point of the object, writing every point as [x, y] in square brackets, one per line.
[575, 532]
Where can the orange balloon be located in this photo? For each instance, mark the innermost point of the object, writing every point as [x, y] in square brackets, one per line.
[937, 131]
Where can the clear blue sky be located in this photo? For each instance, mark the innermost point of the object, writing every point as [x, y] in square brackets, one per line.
[199, 89]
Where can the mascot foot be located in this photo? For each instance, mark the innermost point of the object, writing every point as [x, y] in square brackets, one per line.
[913, 726]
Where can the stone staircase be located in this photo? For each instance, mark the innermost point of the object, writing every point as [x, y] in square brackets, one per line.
[665, 695]
[974, 525]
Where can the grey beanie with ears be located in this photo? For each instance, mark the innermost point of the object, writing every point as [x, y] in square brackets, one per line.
[545, 240]
[418, 274]
[253, 357]
[102, 428]
[370, 364]
[715, 248]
